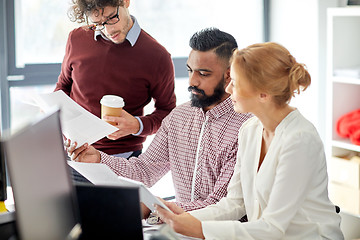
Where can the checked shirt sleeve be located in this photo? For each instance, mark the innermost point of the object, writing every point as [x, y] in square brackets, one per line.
[149, 167]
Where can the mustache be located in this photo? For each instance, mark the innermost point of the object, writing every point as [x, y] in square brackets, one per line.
[193, 88]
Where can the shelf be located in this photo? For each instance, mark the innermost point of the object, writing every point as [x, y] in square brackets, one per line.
[347, 80]
[343, 88]
[345, 144]
[345, 11]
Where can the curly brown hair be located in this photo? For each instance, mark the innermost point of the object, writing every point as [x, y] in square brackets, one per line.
[80, 9]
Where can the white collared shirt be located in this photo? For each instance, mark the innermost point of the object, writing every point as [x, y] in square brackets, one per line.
[131, 36]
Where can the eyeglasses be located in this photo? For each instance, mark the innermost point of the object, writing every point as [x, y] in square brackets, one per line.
[111, 21]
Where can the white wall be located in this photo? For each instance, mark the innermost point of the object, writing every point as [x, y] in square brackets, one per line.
[301, 27]
[172, 23]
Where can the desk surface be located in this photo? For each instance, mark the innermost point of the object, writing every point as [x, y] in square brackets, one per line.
[8, 228]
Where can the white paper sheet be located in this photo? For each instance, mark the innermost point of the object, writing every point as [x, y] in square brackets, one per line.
[77, 123]
[101, 174]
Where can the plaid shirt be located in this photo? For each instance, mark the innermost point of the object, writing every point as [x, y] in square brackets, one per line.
[198, 147]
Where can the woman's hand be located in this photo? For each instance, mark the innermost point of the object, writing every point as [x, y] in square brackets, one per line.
[179, 220]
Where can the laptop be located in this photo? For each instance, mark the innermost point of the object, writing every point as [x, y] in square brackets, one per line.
[49, 205]
[44, 196]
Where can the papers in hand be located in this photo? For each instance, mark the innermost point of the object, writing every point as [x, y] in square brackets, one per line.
[101, 174]
[77, 123]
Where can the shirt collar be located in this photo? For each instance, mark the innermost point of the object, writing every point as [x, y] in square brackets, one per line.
[220, 109]
[287, 120]
[132, 36]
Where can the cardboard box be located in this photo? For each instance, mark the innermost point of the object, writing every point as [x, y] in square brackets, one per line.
[345, 172]
[347, 198]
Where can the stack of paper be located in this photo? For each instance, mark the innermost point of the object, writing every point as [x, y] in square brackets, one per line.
[101, 174]
[77, 123]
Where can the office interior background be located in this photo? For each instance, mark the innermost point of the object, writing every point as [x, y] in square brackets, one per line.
[33, 35]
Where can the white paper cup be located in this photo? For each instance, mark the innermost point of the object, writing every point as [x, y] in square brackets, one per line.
[111, 105]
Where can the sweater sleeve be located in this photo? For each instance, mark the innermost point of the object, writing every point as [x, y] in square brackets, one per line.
[65, 81]
[162, 91]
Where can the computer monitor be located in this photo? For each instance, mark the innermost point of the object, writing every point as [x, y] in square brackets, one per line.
[44, 196]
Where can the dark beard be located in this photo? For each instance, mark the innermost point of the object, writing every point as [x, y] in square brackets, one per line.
[202, 100]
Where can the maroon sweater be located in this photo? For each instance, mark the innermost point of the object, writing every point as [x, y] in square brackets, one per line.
[92, 69]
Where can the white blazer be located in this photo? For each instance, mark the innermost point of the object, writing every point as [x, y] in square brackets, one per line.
[287, 198]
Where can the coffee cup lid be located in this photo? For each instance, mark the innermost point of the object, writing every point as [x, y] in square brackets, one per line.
[112, 101]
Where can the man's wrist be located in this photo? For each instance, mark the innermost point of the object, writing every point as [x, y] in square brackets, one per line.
[141, 127]
[145, 211]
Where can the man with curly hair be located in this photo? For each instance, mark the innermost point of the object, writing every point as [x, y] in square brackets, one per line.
[111, 54]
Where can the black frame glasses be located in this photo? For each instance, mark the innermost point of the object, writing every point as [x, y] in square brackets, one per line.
[111, 21]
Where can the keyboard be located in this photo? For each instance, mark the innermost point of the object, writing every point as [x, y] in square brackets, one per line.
[77, 177]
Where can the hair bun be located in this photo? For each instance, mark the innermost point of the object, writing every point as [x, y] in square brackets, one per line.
[298, 76]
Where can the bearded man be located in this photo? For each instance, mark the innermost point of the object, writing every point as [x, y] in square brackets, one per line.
[197, 141]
